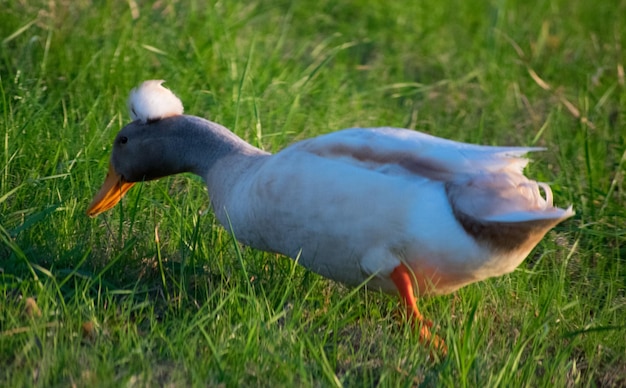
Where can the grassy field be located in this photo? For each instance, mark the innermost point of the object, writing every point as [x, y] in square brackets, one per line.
[155, 292]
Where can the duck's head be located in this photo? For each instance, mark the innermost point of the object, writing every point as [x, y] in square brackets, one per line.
[136, 156]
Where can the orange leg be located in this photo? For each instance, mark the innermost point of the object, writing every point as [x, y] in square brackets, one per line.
[401, 277]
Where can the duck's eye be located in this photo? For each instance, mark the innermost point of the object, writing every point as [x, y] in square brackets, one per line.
[123, 140]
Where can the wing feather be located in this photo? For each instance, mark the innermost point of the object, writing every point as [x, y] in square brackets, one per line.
[395, 150]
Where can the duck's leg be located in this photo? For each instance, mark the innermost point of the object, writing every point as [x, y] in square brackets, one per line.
[402, 278]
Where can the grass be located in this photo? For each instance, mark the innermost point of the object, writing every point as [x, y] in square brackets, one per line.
[155, 292]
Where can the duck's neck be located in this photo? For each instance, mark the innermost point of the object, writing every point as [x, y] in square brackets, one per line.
[213, 152]
[232, 163]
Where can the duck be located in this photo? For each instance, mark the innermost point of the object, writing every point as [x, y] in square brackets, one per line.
[402, 211]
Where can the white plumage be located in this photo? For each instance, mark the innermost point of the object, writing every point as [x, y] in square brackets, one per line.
[150, 101]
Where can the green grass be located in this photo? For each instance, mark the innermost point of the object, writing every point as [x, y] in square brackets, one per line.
[119, 306]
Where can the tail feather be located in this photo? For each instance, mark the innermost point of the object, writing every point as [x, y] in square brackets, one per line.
[505, 197]
[505, 211]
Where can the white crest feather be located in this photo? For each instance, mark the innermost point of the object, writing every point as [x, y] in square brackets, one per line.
[150, 102]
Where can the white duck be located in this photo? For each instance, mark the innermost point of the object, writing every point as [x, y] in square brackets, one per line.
[413, 212]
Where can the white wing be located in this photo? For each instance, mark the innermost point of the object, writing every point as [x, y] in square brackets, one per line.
[395, 150]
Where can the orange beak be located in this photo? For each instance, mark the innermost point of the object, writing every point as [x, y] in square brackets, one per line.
[112, 191]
